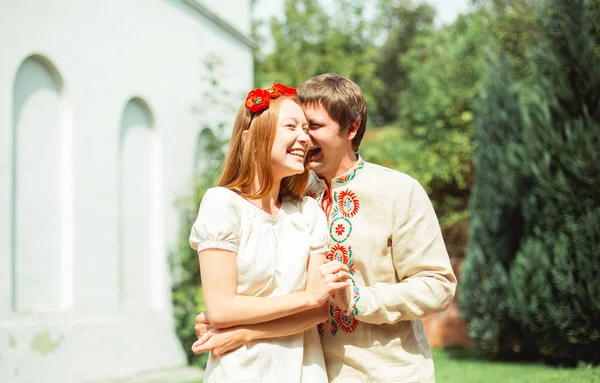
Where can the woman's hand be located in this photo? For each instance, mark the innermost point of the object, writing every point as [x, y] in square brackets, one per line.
[332, 275]
[220, 342]
[202, 325]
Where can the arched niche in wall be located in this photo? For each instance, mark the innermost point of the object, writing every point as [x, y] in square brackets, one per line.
[205, 142]
[138, 190]
[40, 196]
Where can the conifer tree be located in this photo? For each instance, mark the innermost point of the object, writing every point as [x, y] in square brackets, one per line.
[495, 227]
[554, 289]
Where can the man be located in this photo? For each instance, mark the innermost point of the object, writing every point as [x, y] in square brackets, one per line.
[384, 229]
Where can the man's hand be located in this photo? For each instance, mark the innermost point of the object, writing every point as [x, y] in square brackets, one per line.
[342, 298]
[220, 342]
[202, 325]
[341, 272]
[331, 276]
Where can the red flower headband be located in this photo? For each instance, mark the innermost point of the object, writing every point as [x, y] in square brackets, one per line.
[259, 99]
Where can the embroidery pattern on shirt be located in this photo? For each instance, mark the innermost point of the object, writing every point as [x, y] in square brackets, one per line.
[350, 176]
[345, 205]
[346, 322]
[340, 229]
[354, 299]
[342, 254]
[348, 204]
[312, 195]
[321, 328]
[338, 209]
[326, 201]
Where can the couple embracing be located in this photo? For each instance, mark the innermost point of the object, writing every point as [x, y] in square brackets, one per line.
[316, 265]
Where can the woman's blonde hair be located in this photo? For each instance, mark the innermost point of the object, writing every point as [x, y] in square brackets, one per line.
[251, 157]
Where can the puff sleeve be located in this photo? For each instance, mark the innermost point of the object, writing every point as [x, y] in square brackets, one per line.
[316, 222]
[218, 223]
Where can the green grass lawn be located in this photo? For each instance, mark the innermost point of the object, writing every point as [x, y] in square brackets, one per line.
[460, 366]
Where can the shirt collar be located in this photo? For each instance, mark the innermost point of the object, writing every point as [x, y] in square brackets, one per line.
[344, 178]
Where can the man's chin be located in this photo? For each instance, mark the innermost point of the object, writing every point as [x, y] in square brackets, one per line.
[314, 165]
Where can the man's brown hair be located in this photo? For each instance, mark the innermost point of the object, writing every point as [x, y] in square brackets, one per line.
[342, 99]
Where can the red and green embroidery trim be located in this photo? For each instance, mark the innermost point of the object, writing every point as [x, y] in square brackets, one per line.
[345, 205]
[321, 328]
[342, 254]
[348, 203]
[340, 229]
[311, 195]
[354, 299]
[350, 176]
[340, 207]
[341, 321]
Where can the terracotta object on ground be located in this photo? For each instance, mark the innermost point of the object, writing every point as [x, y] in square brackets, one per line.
[447, 328]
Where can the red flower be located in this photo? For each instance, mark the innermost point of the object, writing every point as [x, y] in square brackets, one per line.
[279, 89]
[258, 100]
[339, 229]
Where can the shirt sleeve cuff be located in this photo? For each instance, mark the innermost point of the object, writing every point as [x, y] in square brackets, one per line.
[319, 250]
[217, 245]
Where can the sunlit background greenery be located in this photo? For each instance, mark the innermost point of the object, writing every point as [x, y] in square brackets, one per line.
[497, 114]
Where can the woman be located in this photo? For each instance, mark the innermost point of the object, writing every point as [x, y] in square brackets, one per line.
[262, 246]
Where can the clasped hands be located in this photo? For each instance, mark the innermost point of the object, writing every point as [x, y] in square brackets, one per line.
[331, 281]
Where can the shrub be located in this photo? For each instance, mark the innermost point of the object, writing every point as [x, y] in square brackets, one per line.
[554, 286]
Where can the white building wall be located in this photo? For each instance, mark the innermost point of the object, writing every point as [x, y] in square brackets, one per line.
[97, 140]
[234, 12]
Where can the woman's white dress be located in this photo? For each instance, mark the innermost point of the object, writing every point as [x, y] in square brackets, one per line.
[272, 255]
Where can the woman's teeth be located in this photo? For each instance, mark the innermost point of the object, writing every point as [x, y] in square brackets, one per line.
[299, 153]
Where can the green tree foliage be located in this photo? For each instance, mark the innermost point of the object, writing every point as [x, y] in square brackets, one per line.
[309, 42]
[529, 279]
[402, 22]
[513, 28]
[441, 75]
[495, 227]
[443, 70]
[554, 285]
